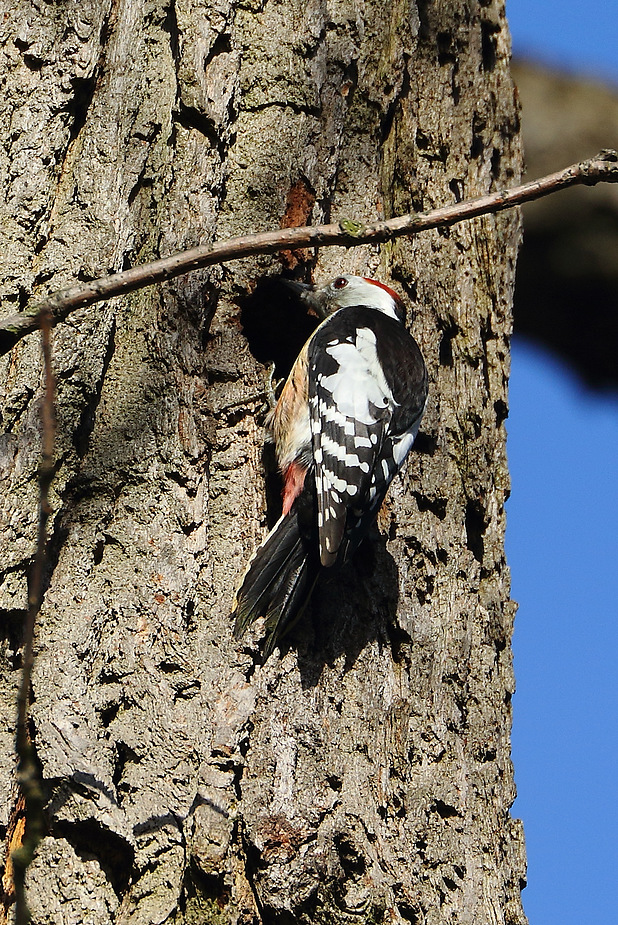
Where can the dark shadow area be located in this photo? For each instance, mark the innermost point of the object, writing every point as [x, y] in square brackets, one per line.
[12, 624]
[92, 841]
[566, 295]
[276, 325]
[205, 895]
[351, 606]
[90, 838]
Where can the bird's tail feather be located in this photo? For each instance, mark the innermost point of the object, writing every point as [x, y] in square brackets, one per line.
[277, 583]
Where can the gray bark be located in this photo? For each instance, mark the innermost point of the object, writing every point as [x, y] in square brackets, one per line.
[364, 774]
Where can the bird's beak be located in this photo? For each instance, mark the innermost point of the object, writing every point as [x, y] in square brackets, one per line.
[307, 294]
[299, 289]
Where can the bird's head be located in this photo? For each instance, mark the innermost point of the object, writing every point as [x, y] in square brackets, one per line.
[347, 290]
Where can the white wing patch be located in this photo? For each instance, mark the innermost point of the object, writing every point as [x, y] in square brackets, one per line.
[351, 406]
[403, 445]
[359, 380]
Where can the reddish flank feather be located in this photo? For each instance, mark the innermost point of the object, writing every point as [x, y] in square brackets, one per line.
[293, 485]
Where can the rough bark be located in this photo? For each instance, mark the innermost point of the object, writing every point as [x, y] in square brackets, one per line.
[363, 775]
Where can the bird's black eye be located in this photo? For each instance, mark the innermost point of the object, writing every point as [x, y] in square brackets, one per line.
[340, 283]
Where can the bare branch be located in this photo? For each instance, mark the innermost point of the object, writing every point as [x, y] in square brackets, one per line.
[28, 772]
[600, 169]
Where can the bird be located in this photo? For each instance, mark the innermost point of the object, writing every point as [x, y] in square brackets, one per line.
[343, 426]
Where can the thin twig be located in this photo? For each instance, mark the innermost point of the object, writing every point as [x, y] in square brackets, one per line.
[28, 772]
[600, 169]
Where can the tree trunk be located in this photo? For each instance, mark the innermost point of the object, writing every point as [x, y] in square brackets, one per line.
[363, 772]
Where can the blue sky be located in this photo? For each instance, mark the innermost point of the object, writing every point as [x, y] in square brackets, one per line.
[578, 36]
[562, 549]
[563, 553]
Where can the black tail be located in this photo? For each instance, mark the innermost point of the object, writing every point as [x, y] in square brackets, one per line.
[279, 579]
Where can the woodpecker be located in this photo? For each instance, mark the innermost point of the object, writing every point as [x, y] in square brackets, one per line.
[343, 426]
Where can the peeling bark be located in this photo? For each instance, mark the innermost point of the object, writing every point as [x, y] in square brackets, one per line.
[365, 773]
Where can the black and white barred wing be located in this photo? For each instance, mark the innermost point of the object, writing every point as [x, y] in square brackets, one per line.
[350, 408]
